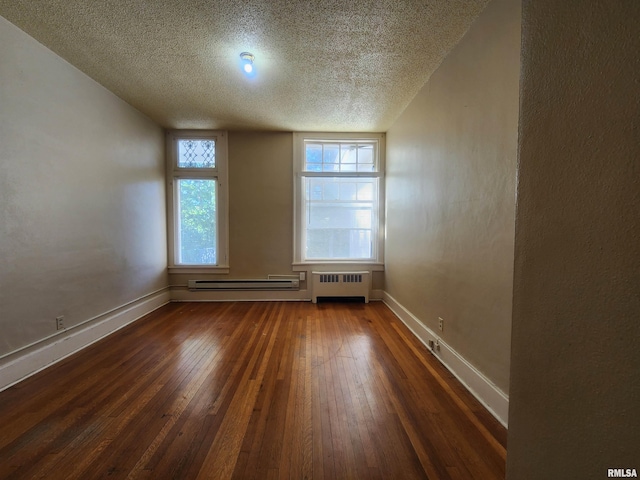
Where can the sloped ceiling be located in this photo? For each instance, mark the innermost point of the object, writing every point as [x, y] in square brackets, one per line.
[321, 65]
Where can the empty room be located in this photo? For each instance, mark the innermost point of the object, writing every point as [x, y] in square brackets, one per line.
[318, 239]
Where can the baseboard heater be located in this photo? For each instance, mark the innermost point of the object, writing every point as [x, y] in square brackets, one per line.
[340, 284]
[267, 284]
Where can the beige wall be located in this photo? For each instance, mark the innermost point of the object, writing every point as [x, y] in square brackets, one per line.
[260, 213]
[575, 375]
[82, 218]
[260, 206]
[451, 166]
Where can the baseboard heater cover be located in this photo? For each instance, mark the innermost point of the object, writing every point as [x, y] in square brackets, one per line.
[266, 284]
[341, 284]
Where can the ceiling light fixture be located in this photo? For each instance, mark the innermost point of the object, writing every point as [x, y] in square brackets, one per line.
[247, 62]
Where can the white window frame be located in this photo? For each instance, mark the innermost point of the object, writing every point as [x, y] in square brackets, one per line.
[299, 174]
[219, 173]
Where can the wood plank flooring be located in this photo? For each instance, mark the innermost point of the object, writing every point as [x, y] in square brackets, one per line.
[264, 390]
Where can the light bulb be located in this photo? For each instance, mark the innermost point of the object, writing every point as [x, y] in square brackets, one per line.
[247, 62]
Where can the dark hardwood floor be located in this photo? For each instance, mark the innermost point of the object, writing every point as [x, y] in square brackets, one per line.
[250, 390]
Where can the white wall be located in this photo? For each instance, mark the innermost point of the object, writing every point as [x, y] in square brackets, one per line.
[82, 216]
[451, 169]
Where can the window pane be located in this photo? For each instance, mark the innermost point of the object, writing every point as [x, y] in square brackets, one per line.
[365, 167]
[313, 154]
[340, 224]
[365, 191]
[339, 157]
[331, 191]
[330, 167]
[314, 189]
[331, 153]
[365, 154]
[337, 244]
[197, 235]
[365, 158]
[196, 153]
[348, 157]
[331, 158]
[348, 190]
[348, 153]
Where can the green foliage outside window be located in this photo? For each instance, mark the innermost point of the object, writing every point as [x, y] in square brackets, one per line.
[198, 233]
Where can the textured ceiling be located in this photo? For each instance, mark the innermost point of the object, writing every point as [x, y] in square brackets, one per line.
[322, 65]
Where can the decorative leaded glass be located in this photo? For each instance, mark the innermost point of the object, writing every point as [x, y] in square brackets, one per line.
[196, 153]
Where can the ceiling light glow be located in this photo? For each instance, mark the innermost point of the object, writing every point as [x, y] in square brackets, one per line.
[247, 62]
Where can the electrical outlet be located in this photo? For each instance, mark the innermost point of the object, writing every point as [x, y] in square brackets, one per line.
[303, 276]
[437, 345]
[441, 324]
[60, 322]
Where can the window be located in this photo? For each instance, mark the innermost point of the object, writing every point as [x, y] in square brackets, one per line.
[338, 205]
[197, 202]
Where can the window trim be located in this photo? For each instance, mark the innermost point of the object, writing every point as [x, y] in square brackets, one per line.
[299, 138]
[220, 173]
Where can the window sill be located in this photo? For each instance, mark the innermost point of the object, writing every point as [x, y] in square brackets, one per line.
[341, 266]
[198, 269]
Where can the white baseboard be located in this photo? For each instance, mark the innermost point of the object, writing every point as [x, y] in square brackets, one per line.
[19, 365]
[487, 393]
